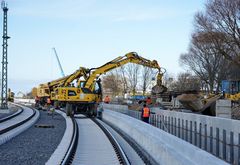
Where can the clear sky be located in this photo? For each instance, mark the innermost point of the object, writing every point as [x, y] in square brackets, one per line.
[92, 32]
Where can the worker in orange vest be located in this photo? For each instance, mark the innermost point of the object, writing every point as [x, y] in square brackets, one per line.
[149, 101]
[107, 100]
[145, 113]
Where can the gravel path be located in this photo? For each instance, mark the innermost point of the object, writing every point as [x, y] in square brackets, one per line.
[36, 145]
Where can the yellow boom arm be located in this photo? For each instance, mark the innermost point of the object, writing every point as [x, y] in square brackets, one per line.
[131, 57]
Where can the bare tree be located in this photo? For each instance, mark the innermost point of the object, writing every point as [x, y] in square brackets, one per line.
[203, 59]
[123, 77]
[112, 83]
[220, 24]
[147, 74]
[132, 72]
[168, 79]
[186, 82]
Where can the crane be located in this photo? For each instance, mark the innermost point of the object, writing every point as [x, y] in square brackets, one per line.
[59, 64]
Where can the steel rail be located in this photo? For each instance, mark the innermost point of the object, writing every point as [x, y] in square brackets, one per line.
[69, 156]
[117, 148]
[18, 124]
[12, 115]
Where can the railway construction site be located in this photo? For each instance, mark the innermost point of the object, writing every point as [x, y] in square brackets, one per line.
[126, 108]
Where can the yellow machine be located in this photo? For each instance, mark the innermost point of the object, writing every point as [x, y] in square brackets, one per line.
[231, 89]
[233, 97]
[85, 97]
[47, 90]
[10, 95]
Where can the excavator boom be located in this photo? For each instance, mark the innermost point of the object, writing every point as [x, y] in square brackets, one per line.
[131, 57]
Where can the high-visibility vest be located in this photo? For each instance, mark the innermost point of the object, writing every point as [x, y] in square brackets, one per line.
[48, 101]
[146, 112]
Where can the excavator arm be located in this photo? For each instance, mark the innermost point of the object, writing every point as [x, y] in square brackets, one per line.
[55, 83]
[44, 90]
[131, 57]
[76, 75]
[65, 81]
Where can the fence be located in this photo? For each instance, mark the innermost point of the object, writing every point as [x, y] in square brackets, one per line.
[217, 136]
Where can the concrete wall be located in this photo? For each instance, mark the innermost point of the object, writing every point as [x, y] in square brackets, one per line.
[115, 107]
[229, 125]
[223, 108]
[164, 147]
[215, 122]
[178, 122]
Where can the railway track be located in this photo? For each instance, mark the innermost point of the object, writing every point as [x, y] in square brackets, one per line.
[96, 145]
[95, 142]
[19, 111]
[16, 123]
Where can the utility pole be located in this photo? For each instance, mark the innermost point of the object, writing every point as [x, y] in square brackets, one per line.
[4, 101]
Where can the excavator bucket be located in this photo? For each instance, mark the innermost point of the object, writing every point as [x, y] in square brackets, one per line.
[196, 103]
[159, 88]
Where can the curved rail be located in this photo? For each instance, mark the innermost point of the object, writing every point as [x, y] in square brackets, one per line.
[18, 124]
[117, 148]
[12, 115]
[146, 158]
[68, 157]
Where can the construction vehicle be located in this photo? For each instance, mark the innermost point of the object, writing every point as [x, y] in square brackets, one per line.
[197, 102]
[231, 89]
[45, 91]
[10, 95]
[206, 104]
[84, 98]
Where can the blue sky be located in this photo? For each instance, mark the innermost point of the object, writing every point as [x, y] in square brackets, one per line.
[93, 32]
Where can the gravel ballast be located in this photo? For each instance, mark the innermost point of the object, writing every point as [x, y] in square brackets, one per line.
[35, 145]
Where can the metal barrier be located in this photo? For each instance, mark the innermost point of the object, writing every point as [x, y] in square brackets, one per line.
[219, 142]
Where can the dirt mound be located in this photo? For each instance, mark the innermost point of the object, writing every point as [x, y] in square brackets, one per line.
[191, 101]
[188, 97]
[137, 107]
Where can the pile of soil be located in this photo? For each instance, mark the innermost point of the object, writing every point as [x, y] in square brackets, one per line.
[136, 107]
[188, 97]
[191, 101]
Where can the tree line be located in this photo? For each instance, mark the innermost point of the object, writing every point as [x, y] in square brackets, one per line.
[214, 50]
[213, 55]
[130, 78]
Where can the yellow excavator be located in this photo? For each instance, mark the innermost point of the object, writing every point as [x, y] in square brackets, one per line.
[45, 91]
[231, 89]
[85, 97]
